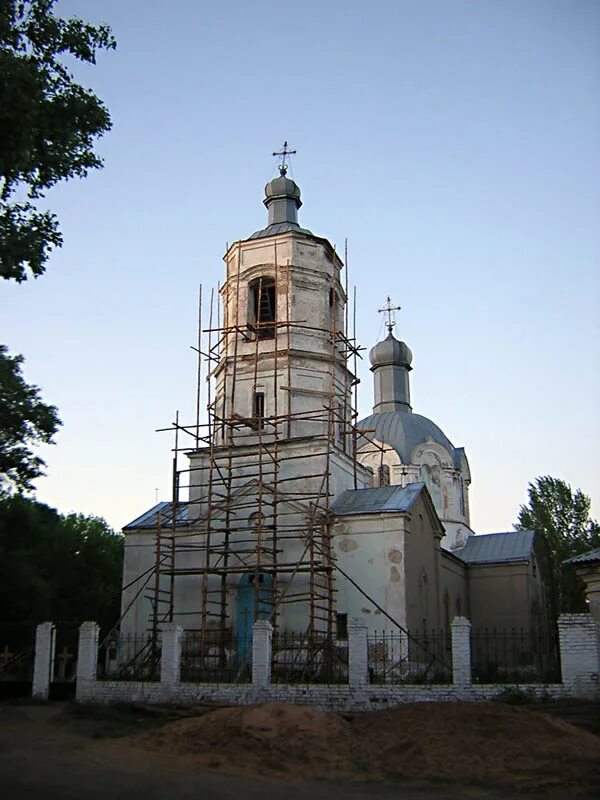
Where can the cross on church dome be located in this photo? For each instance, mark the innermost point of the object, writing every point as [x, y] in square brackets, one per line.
[389, 310]
[284, 153]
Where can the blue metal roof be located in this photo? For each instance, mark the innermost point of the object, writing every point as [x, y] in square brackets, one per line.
[376, 501]
[491, 548]
[279, 227]
[589, 557]
[149, 519]
[404, 431]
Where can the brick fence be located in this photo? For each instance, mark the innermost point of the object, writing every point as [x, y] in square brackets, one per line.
[579, 638]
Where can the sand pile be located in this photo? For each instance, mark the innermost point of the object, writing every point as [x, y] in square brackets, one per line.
[269, 738]
[485, 743]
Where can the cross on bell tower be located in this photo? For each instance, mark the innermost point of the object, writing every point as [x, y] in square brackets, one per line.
[389, 310]
[284, 153]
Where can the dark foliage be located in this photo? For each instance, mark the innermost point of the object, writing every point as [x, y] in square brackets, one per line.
[563, 516]
[56, 567]
[48, 124]
[24, 421]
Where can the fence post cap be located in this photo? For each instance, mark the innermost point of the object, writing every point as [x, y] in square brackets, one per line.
[357, 622]
[262, 625]
[168, 627]
[461, 622]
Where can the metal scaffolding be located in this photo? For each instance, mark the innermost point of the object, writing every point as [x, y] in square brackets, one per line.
[285, 549]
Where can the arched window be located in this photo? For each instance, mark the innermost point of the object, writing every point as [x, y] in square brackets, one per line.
[258, 409]
[256, 521]
[431, 475]
[383, 475]
[262, 307]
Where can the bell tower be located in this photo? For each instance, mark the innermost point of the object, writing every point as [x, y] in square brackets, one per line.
[281, 431]
[282, 364]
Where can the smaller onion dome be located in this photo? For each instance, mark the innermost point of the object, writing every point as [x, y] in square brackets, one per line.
[283, 187]
[390, 352]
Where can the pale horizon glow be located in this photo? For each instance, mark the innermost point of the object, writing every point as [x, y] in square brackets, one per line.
[454, 144]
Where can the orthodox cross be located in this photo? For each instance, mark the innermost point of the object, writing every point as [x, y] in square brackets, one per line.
[284, 153]
[389, 310]
[6, 655]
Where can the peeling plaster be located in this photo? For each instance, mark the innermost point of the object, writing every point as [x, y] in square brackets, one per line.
[347, 545]
[395, 556]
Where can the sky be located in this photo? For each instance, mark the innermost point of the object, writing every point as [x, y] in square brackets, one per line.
[455, 144]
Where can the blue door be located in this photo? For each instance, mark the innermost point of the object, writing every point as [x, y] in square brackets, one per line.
[245, 609]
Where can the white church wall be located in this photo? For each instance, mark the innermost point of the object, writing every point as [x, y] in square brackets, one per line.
[138, 562]
[454, 591]
[370, 548]
[422, 569]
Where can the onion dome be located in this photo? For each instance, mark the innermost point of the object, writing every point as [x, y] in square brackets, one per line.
[390, 352]
[282, 188]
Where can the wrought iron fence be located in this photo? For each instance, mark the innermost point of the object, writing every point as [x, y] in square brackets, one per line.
[514, 655]
[17, 644]
[396, 657]
[130, 657]
[215, 657]
[66, 646]
[304, 658]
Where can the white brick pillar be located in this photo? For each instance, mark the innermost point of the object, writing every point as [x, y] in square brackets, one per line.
[170, 655]
[45, 643]
[461, 651]
[579, 637]
[87, 660]
[87, 651]
[262, 638]
[358, 653]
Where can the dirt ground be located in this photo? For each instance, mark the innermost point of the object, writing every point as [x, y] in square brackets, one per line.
[417, 751]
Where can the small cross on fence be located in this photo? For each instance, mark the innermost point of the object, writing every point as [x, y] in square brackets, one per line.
[63, 659]
[6, 655]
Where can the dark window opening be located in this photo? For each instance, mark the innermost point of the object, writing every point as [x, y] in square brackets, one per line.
[341, 626]
[258, 409]
[262, 307]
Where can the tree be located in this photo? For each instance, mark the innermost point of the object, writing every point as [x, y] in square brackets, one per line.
[563, 516]
[24, 421]
[48, 124]
[56, 567]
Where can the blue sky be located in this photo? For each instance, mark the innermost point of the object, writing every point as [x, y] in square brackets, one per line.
[456, 146]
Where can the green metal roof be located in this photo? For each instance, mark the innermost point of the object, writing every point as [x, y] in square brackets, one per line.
[493, 548]
[376, 501]
[589, 557]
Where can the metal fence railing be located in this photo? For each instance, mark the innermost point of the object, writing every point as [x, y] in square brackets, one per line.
[66, 646]
[304, 658]
[513, 655]
[130, 657]
[215, 657]
[397, 657]
[17, 641]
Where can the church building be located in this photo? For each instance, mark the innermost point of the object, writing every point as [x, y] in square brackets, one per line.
[288, 507]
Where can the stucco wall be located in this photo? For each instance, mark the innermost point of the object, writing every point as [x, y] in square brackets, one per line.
[500, 595]
[454, 589]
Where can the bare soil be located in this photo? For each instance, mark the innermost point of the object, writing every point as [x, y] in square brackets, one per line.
[61, 751]
[466, 743]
